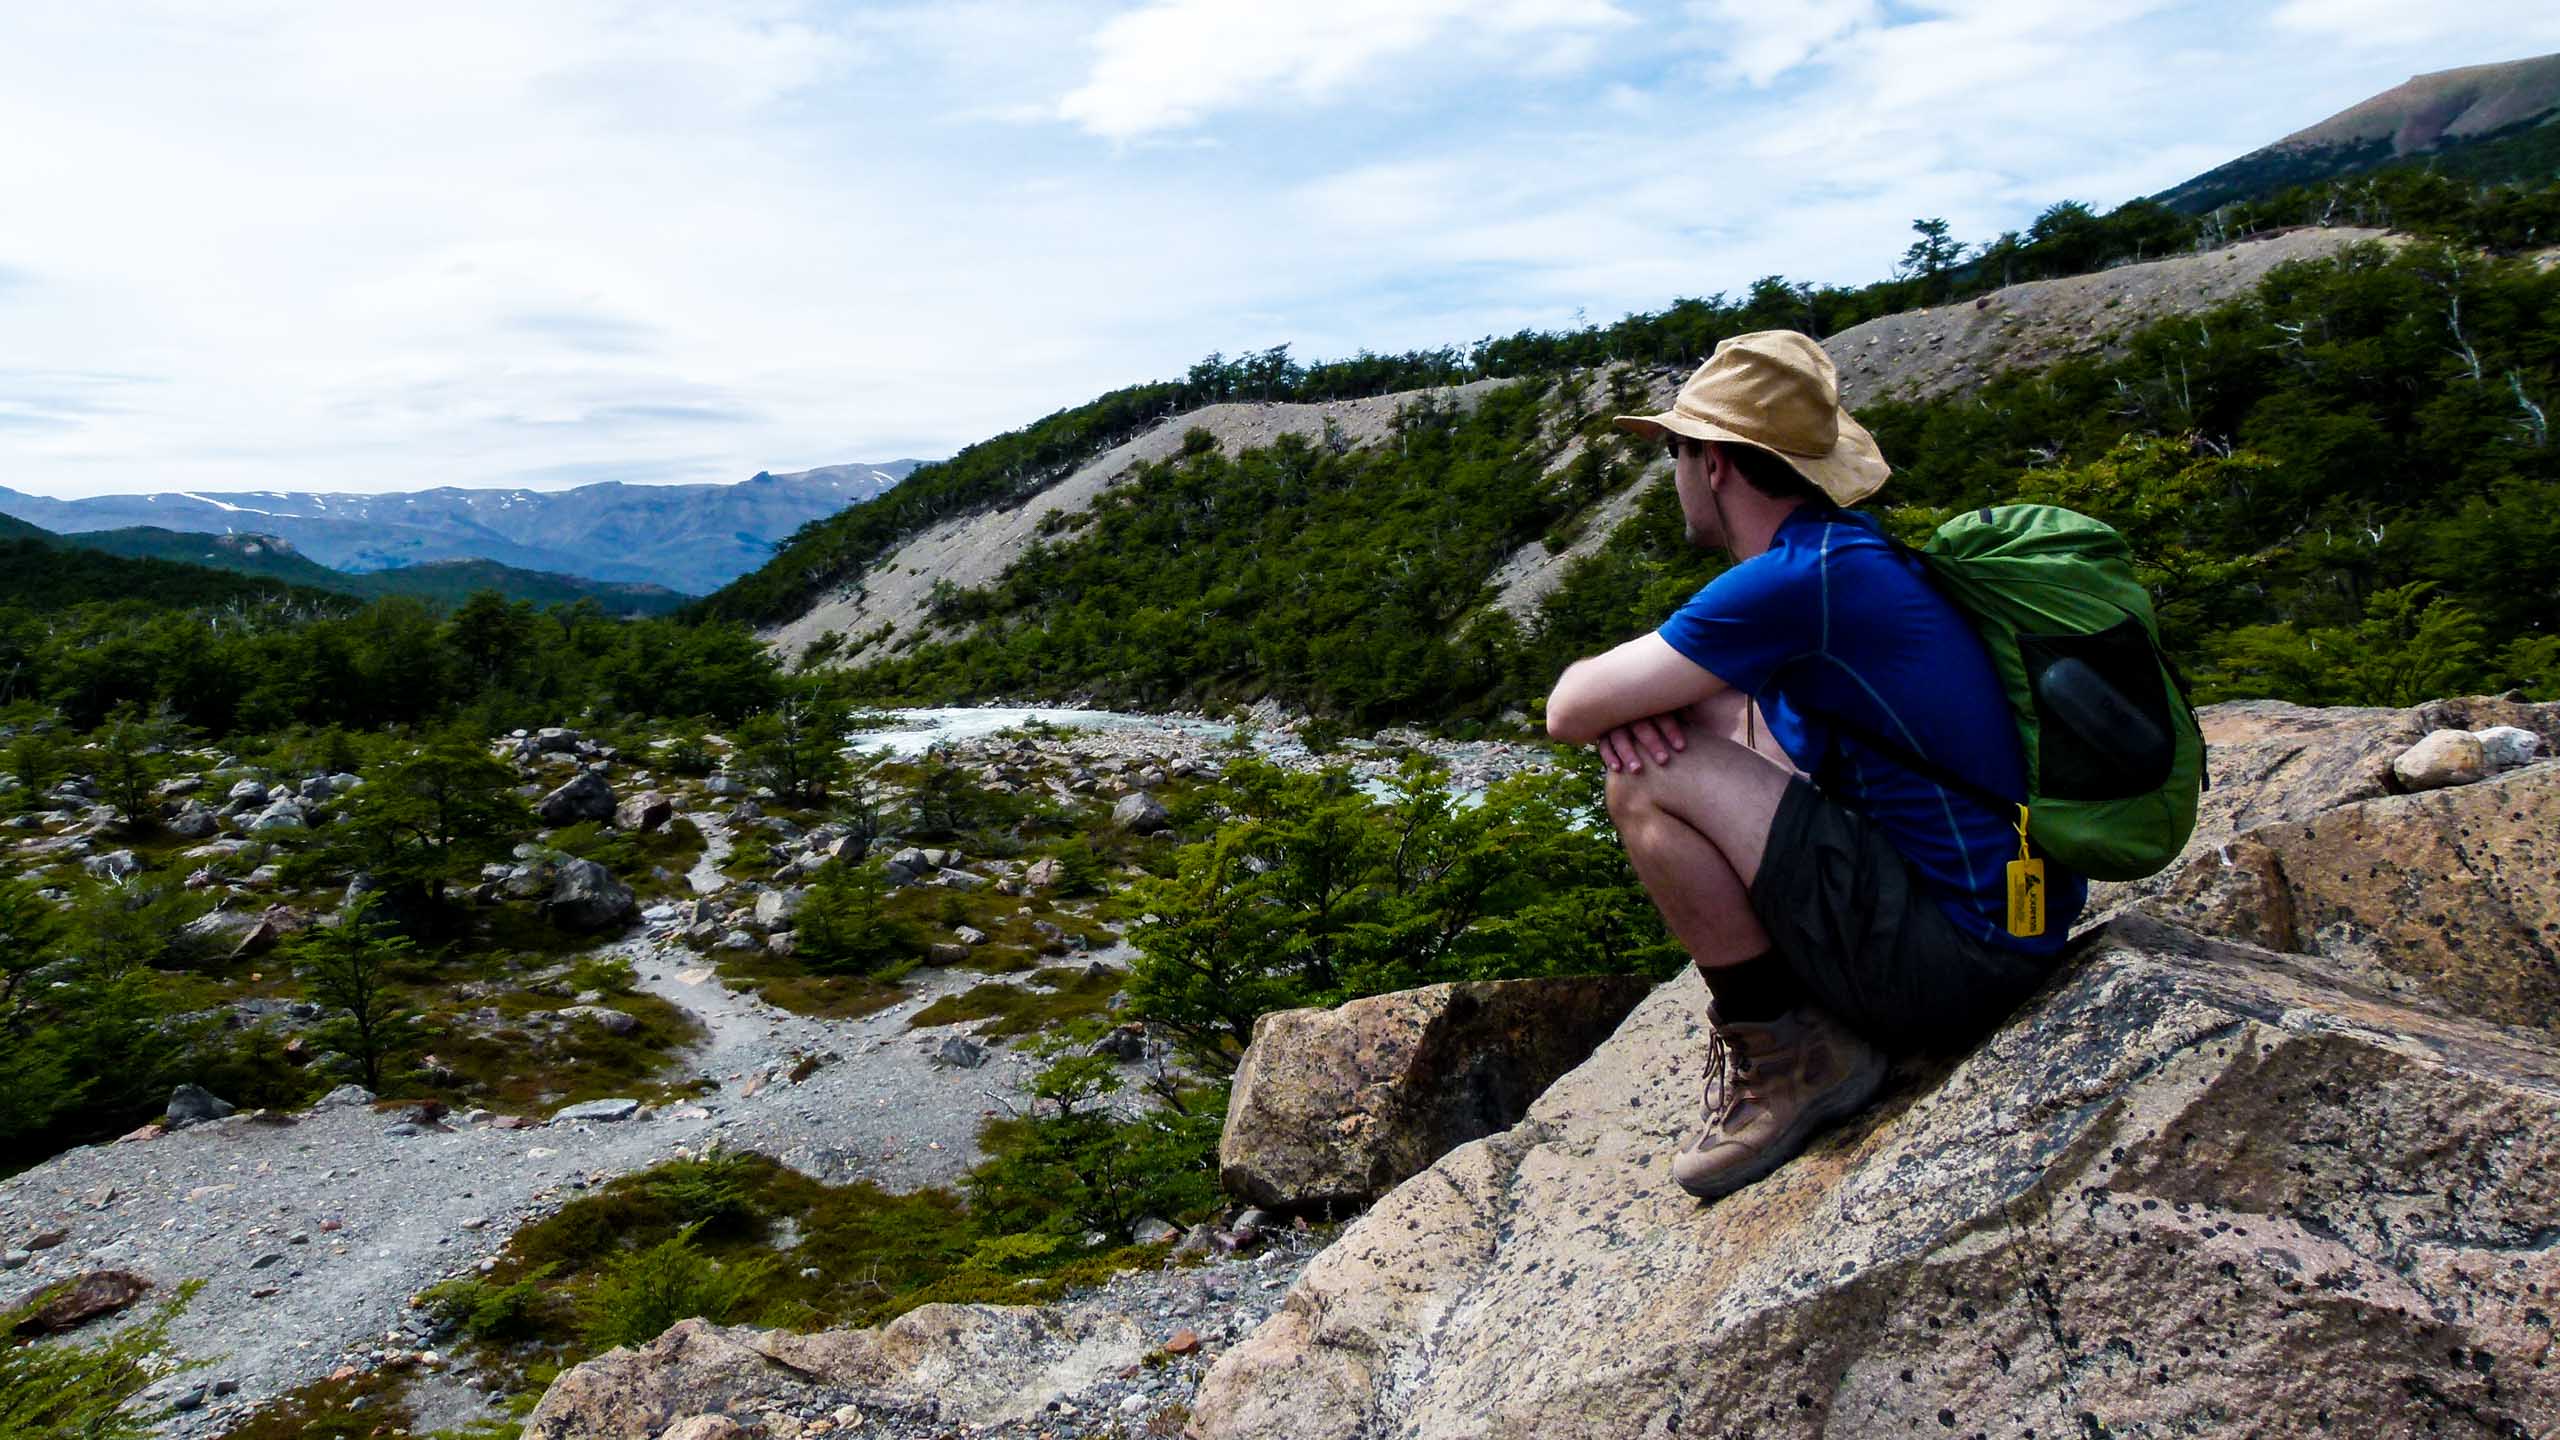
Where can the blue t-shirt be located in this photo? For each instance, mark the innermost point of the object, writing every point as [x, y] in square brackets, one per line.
[1833, 631]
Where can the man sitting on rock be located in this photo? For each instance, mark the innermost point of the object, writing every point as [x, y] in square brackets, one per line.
[1836, 901]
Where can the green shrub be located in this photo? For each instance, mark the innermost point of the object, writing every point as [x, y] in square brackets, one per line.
[844, 927]
[590, 840]
[689, 756]
[715, 1193]
[646, 1291]
[77, 1390]
[485, 1311]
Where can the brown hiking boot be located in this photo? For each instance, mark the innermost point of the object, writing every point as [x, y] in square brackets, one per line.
[1770, 1088]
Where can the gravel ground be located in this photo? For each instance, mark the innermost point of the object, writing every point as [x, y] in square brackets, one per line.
[1217, 1304]
[312, 1231]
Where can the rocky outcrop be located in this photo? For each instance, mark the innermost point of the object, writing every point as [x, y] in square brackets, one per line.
[2193, 1188]
[1331, 1108]
[2451, 895]
[950, 1365]
[2273, 762]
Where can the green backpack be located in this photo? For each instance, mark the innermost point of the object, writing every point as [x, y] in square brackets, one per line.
[2115, 761]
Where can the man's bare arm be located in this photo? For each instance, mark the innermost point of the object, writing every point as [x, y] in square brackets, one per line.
[1638, 681]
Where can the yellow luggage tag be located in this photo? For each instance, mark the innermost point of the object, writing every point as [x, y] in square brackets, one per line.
[2026, 887]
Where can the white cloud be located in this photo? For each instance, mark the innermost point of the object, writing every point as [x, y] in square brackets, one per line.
[2500, 32]
[1765, 41]
[1173, 63]
[296, 244]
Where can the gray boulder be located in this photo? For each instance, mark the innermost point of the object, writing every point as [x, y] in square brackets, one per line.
[585, 797]
[1140, 813]
[345, 1097]
[585, 896]
[248, 794]
[775, 909]
[193, 1105]
[113, 865]
[192, 821]
[218, 932]
[283, 815]
[644, 812]
[2507, 747]
[601, 1111]
[605, 1018]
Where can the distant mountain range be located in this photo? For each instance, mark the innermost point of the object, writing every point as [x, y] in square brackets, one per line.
[2488, 122]
[687, 538]
[441, 582]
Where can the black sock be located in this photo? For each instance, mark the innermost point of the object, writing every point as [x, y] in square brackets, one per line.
[1759, 989]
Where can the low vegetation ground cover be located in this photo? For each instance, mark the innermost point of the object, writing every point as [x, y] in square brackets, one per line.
[739, 1238]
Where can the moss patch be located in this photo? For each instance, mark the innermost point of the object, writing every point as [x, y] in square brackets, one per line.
[524, 1069]
[856, 1255]
[788, 985]
[1066, 994]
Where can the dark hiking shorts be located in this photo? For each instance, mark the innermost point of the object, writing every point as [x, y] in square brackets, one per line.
[1868, 941]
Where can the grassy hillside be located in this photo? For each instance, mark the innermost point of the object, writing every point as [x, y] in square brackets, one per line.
[2489, 124]
[444, 583]
[2523, 153]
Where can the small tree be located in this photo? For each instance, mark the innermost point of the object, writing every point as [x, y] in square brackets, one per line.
[844, 927]
[795, 749]
[347, 967]
[128, 758]
[36, 1083]
[858, 804]
[491, 635]
[1931, 255]
[37, 760]
[31, 933]
[1081, 1168]
[420, 824]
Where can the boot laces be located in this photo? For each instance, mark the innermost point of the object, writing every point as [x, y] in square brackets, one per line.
[1729, 1086]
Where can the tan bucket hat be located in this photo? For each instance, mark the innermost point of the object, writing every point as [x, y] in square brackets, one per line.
[1775, 389]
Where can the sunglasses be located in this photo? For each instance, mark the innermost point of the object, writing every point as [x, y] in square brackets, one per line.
[1674, 445]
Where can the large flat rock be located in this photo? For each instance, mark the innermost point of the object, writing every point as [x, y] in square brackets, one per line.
[2193, 1188]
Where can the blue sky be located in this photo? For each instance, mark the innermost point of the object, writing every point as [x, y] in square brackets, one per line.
[267, 244]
